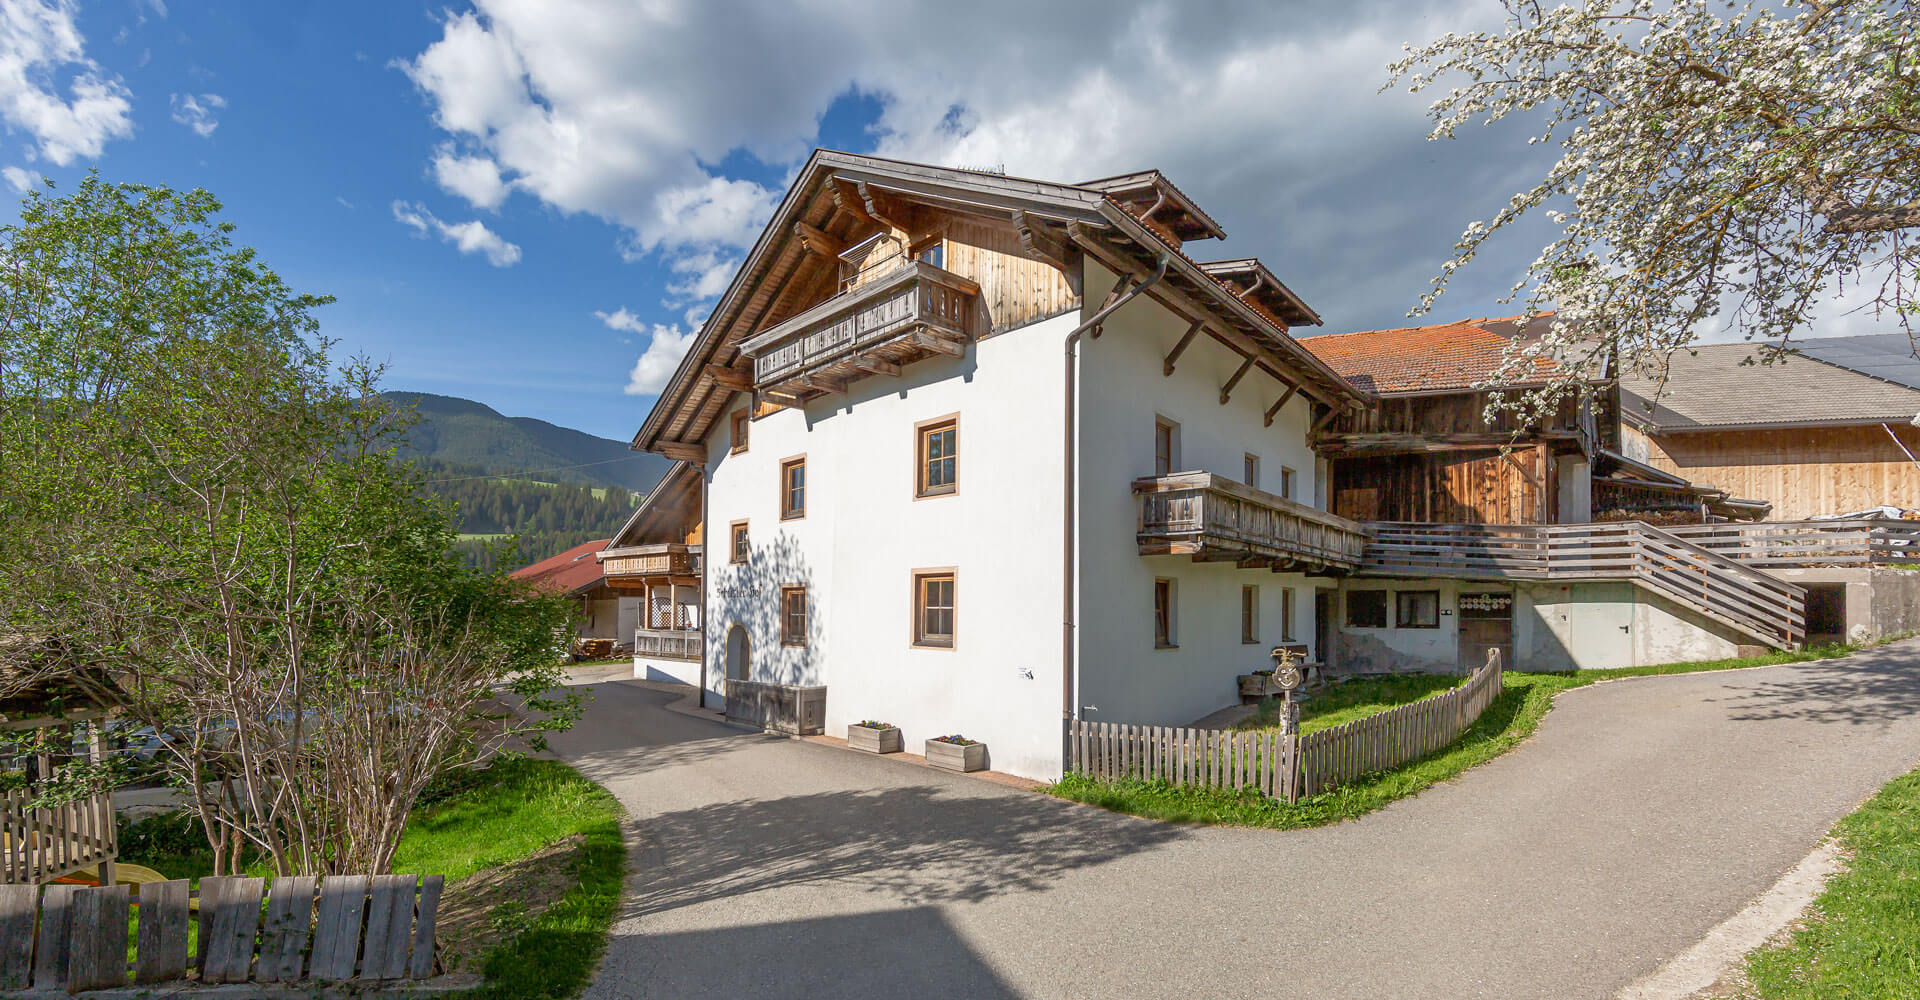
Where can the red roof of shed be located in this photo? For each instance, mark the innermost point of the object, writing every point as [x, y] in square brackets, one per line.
[1437, 358]
[569, 572]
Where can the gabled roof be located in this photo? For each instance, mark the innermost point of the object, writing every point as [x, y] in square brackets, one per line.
[660, 506]
[570, 572]
[1885, 356]
[1250, 279]
[1439, 358]
[840, 198]
[1150, 195]
[1708, 387]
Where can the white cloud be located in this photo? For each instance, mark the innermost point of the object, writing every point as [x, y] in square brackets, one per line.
[621, 319]
[39, 45]
[475, 178]
[706, 275]
[655, 366]
[197, 113]
[469, 237]
[21, 181]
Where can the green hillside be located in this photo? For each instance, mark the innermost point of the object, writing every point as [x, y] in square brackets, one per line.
[465, 433]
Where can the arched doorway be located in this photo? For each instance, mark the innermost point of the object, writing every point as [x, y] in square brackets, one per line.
[739, 651]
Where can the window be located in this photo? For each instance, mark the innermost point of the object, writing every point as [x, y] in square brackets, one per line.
[1163, 615]
[1416, 609]
[1166, 447]
[933, 608]
[1251, 471]
[793, 616]
[934, 253]
[738, 434]
[1366, 609]
[737, 542]
[793, 488]
[937, 467]
[1286, 614]
[1286, 483]
[1249, 614]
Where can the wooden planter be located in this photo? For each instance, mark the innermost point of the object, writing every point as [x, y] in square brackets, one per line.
[1256, 686]
[955, 757]
[871, 740]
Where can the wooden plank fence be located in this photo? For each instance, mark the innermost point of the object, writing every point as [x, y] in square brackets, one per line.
[75, 938]
[1282, 766]
[40, 845]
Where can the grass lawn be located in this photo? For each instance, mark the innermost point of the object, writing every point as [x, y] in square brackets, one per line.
[1511, 718]
[1346, 701]
[1862, 934]
[482, 821]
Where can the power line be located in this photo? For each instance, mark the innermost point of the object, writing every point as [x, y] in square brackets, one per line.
[529, 472]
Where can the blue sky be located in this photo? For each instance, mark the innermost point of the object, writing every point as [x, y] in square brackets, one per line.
[532, 203]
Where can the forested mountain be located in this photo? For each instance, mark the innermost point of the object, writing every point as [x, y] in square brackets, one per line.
[463, 432]
[543, 519]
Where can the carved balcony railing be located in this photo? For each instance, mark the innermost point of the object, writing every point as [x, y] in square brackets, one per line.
[1214, 518]
[909, 313]
[658, 559]
[669, 643]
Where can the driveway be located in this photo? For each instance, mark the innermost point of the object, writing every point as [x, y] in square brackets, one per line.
[1643, 813]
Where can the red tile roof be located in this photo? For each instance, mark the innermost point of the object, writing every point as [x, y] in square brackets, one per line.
[1437, 358]
[569, 572]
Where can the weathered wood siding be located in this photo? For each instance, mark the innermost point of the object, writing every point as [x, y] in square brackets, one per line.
[1014, 288]
[1803, 473]
[1476, 487]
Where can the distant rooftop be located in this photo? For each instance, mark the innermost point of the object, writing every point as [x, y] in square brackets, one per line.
[1887, 356]
[1708, 388]
[1442, 357]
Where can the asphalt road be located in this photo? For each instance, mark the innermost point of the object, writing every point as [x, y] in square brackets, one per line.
[1643, 813]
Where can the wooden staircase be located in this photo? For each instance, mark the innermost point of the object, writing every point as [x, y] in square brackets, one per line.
[1740, 597]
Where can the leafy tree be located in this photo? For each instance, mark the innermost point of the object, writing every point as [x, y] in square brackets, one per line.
[1734, 161]
[198, 502]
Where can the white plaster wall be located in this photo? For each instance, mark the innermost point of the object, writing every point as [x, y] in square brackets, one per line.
[1402, 650]
[865, 533]
[679, 671]
[1123, 678]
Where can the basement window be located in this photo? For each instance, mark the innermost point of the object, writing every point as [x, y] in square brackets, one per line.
[1366, 609]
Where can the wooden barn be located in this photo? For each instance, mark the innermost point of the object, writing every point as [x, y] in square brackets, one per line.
[1812, 437]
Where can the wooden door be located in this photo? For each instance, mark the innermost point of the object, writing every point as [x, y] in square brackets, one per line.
[1486, 622]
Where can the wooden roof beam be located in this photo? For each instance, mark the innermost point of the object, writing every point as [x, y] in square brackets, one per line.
[732, 378]
[1166, 367]
[816, 241]
[1275, 408]
[1226, 391]
[684, 451]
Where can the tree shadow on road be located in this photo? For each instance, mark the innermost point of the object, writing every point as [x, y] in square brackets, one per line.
[911, 845]
[1874, 687]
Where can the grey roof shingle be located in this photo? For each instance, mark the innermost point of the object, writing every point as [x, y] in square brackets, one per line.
[1708, 388]
[1886, 356]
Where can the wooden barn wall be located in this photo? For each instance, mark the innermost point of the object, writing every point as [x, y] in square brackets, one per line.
[1441, 488]
[1014, 288]
[1444, 414]
[1803, 473]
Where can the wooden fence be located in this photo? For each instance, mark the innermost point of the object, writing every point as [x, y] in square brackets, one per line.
[1282, 766]
[363, 927]
[40, 845]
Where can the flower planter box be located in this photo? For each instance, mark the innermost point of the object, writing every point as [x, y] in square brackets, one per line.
[954, 757]
[872, 740]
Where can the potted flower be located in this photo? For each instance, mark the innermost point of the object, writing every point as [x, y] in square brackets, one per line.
[957, 753]
[874, 737]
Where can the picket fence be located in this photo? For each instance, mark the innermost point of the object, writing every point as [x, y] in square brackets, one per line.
[340, 928]
[1288, 767]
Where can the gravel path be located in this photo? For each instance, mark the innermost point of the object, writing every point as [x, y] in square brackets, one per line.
[1643, 813]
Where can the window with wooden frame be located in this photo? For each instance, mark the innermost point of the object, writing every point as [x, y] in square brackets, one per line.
[793, 615]
[937, 457]
[1416, 609]
[1249, 614]
[1366, 609]
[1286, 614]
[793, 488]
[737, 547]
[933, 608]
[1286, 483]
[931, 251]
[1166, 446]
[1250, 471]
[737, 432]
[1164, 625]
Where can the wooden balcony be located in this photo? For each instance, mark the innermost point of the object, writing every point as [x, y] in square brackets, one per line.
[912, 312]
[658, 560]
[669, 643]
[1214, 518]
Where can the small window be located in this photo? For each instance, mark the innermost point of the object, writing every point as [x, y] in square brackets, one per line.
[1163, 614]
[1250, 471]
[1249, 614]
[1166, 445]
[934, 253]
[738, 435]
[737, 542]
[1286, 483]
[938, 464]
[793, 488]
[793, 616]
[933, 603]
[1286, 614]
[1366, 609]
[1416, 609]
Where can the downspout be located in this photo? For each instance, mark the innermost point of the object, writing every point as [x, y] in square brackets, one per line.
[706, 570]
[1069, 664]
